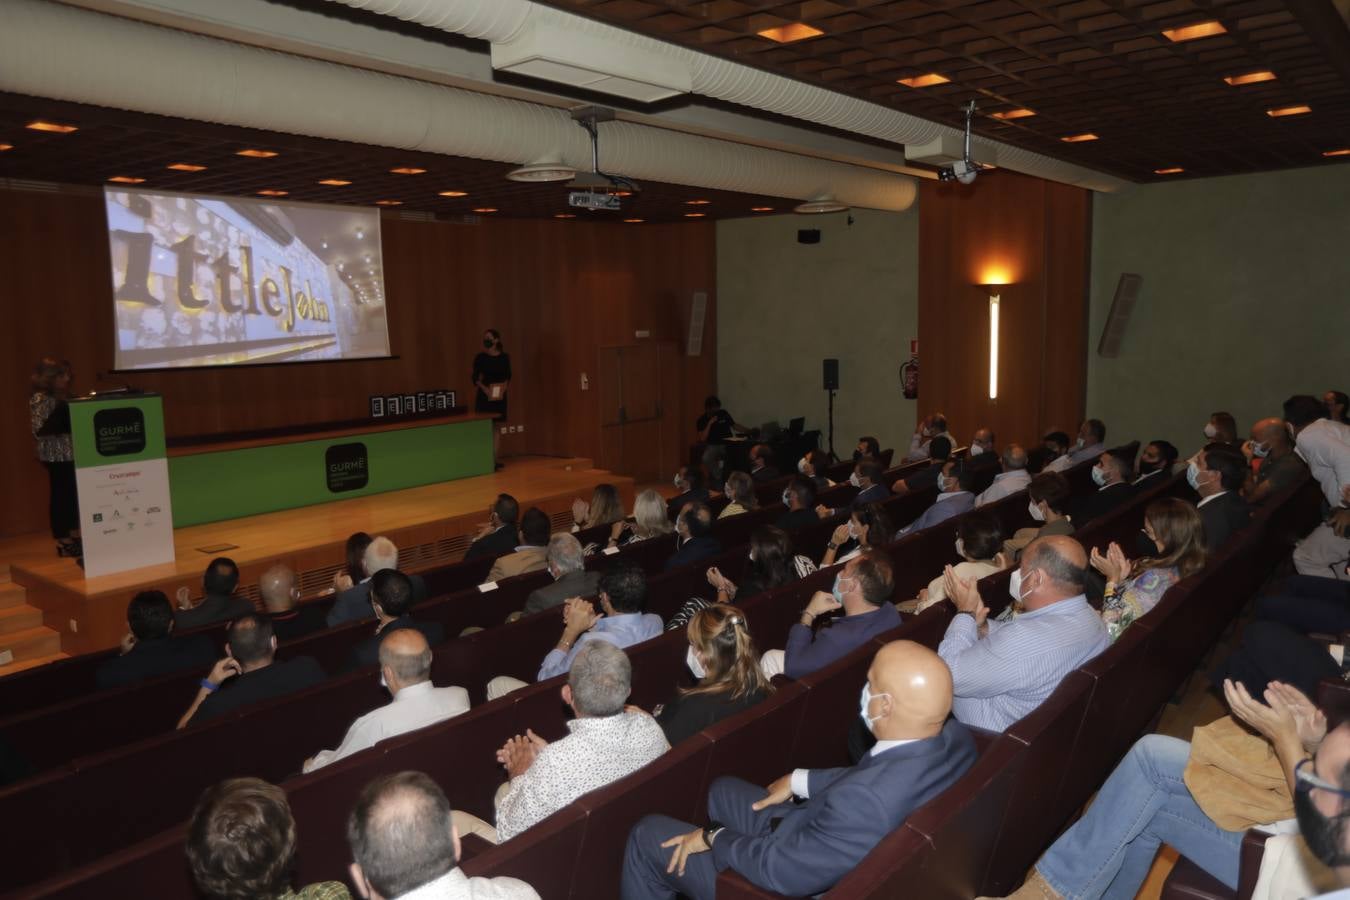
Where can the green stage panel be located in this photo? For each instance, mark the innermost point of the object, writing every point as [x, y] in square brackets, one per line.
[228, 484]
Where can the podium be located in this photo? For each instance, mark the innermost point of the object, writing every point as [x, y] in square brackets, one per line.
[122, 477]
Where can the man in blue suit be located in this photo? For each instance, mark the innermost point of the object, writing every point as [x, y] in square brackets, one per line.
[814, 826]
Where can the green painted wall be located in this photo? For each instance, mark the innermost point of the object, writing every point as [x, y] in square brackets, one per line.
[1246, 299]
[208, 487]
[782, 307]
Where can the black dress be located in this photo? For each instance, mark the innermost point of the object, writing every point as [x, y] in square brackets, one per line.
[688, 714]
[490, 370]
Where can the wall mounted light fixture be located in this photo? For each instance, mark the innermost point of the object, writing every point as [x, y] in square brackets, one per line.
[994, 291]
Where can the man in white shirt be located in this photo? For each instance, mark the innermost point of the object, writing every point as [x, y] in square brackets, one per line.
[607, 742]
[405, 846]
[931, 427]
[1091, 442]
[405, 670]
[1012, 479]
[1325, 447]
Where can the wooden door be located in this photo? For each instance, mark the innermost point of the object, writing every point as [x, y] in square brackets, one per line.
[634, 382]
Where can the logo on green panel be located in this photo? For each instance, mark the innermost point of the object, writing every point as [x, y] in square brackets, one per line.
[119, 431]
[348, 467]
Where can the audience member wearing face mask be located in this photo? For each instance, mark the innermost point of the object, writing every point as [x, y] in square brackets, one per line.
[954, 498]
[771, 564]
[1217, 474]
[1174, 530]
[1013, 477]
[1047, 504]
[815, 465]
[1057, 444]
[1111, 475]
[1155, 465]
[867, 527]
[1325, 446]
[800, 499]
[740, 493]
[803, 848]
[1221, 429]
[862, 591]
[939, 450]
[724, 661]
[690, 484]
[928, 428]
[978, 541]
[1275, 467]
[866, 478]
[693, 536]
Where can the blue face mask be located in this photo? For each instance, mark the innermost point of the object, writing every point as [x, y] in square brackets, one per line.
[865, 702]
[1099, 476]
[836, 590]
[1193, 475]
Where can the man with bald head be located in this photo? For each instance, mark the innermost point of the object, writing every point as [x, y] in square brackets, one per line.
[281, 596]
[405, 671]
[1277, 466]
[813, 826]
[1012, 479]
[1002, 670]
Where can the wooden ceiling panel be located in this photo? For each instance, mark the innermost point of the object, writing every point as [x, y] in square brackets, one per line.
[1083, 65]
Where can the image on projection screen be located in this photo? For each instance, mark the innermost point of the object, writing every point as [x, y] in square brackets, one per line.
[217, 281]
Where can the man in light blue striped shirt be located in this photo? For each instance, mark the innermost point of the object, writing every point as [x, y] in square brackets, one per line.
[1003, 670]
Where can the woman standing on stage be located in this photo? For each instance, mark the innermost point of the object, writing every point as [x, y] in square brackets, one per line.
[50, 420]
[491, 377]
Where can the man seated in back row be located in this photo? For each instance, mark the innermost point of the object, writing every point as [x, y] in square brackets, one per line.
[1217, 474]
[1112, 475]
[954, 497]
[939, 451]
[694, 539]
[150, 648]
[281, 596]
[813, 826]
[1012, 479]
[218, 604]
[1003, 670]
[799, 497]
[353, 604]
[529, 556]
[391, 595]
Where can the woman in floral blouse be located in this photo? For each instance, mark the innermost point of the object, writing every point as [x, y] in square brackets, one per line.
[1134, 588]
[50, 420]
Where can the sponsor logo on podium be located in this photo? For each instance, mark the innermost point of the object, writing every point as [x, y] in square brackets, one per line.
[119, 431]
[347, 466]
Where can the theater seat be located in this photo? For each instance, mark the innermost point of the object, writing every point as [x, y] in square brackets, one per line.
[1188, 881]
[544, 856]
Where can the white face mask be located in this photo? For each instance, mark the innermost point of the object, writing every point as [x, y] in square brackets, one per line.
[1015, 587]
[677, 481]
[1034, 509]
[801, 466]
[1099, 476]
[975, 450]
[787, 498]
[852, 530]
[1079, 444]
[1210, 431]
[384, 684]
[855, 480]
[1260, 451]
[865, 702]
[960, 548]
[696, 667]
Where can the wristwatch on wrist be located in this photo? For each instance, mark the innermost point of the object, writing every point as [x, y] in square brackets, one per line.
[832, 545]
[710, 832]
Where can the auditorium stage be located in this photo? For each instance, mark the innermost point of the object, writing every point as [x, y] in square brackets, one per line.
[432, 525]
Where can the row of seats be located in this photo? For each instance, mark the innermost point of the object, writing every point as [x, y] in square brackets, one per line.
[279, 731]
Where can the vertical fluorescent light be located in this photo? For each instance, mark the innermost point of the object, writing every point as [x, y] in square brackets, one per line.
[993, 346]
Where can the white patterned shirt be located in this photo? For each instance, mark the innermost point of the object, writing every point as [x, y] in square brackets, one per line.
[415, 706]
[599, 751]
[455, 885]
[999, 678]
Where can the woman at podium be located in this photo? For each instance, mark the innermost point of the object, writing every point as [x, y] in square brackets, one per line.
[491, 377]
[50, 419]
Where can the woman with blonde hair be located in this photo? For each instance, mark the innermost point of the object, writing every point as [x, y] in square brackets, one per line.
[603, 509]
[723, 657]
[49, 417]
[740, 491]
[650, 519]
[1134, 588]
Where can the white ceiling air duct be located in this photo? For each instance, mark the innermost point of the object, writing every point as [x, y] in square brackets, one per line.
[51, 50]
[712, 76]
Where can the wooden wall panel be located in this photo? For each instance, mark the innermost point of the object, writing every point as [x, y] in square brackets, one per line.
[1031, 237]
[557, 290]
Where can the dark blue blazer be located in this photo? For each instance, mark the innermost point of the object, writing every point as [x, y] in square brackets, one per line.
[818, 842]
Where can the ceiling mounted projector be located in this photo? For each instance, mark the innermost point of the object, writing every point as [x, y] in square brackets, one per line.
[596, 181]
[542, 171]
[822, 204]
[965, 169]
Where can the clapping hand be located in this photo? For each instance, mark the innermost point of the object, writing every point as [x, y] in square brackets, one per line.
[1113, 566]
[184, 597]
[823, 511]
[580, 509]
[964, 594]
[519, 753]
[1287, 717]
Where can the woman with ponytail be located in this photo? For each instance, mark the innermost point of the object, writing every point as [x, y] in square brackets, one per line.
[723, 657]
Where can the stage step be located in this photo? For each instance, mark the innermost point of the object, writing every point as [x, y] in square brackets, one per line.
[12, 594]
[18, 618]
[30, 643]
[31, 663]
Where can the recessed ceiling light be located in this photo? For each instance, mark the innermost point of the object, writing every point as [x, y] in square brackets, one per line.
[1171, 170]
[761, 209]
[564, 215]
[697, 202]
[634, 221]
[1079, 138]
[52, 127]
[452, 194]
[485, 209]
[407, 170]
[1344, 151]
[923, 81]
[186, 167]
[126, 179]
[335, 182]
[1194, 32]
[273, 193]
[1250, 77]
[1282, 111]
[1013, 114]
[257, 154]
[388, 202]
[694, 215]
[786, 34]
[4, 147]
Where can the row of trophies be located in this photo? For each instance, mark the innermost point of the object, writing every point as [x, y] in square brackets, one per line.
[411, 404]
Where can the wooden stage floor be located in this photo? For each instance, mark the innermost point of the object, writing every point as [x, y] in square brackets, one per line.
[431, 525]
